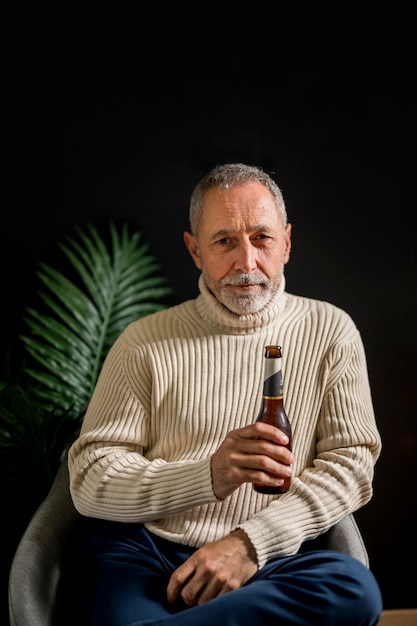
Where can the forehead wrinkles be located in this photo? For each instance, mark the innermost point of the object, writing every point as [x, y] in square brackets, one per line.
[233, 211]
[226, 223]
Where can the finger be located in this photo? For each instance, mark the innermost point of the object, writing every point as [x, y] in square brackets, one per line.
[177, 581]
[264, 431]
[266, 448]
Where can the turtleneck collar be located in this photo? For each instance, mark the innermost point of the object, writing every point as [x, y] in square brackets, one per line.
[217, 315]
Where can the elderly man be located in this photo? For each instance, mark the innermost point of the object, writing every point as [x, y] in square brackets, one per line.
[169, 450]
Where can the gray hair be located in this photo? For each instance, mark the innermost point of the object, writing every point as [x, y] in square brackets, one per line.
[230, 175]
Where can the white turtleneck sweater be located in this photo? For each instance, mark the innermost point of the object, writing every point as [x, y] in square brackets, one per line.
[177, 381]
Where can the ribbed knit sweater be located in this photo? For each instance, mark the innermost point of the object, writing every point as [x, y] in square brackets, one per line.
[177, 381]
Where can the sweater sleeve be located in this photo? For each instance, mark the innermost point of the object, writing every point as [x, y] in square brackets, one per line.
[113, 473]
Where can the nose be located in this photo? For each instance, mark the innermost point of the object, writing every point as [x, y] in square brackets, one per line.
[245, 260]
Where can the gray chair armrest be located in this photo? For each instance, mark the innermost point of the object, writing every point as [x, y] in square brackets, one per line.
[37, 565]
[346, 537]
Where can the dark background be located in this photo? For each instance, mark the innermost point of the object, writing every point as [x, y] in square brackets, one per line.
[117, 113]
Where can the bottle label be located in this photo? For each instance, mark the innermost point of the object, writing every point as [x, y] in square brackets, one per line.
[273, 387]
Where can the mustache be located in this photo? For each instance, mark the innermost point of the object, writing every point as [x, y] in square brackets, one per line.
[244, 279]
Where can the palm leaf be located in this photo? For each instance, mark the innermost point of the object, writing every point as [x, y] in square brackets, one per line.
[70, 337]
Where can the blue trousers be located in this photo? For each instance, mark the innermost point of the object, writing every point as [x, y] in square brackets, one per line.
[132, 567]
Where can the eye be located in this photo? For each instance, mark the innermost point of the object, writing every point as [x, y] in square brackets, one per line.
[261, 237]
[223, 241]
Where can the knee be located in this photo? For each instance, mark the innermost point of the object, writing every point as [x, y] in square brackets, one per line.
[360, 591]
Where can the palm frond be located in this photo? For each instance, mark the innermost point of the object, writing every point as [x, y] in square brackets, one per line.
[69, 339]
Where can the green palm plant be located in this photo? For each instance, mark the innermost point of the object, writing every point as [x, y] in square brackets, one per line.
[110, 282]
[70, 342]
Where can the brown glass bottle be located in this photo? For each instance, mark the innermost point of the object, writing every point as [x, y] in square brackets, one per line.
[272, 409]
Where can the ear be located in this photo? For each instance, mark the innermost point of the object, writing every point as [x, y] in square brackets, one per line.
[192, 247]
[287, 237]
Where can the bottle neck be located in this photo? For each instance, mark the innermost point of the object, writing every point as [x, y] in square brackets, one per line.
[273, 385]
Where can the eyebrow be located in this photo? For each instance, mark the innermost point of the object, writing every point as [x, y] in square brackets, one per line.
[256, 228]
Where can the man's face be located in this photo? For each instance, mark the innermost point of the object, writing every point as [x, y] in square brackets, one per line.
[242, 246]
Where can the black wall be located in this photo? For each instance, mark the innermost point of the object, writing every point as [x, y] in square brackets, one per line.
[111, 114]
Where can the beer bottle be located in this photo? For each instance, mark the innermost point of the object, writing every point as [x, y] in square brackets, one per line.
[272, 410]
